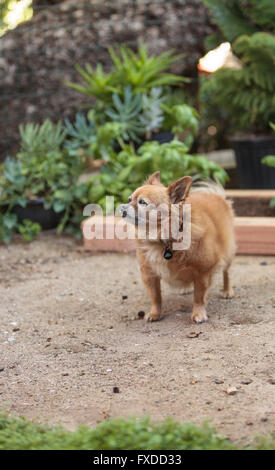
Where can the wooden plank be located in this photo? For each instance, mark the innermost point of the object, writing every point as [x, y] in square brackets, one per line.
[254, 235]
[253, 193]
[109, 241]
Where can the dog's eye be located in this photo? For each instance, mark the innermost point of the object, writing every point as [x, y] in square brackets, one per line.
[142, 202]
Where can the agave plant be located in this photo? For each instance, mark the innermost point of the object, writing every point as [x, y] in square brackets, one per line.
[139, 70]
[126, 111]
[142, 71]
[97, 83]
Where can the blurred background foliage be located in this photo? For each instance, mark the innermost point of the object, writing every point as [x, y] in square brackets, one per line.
[14, 12]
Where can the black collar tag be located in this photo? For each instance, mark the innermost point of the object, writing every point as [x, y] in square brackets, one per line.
[167, 253]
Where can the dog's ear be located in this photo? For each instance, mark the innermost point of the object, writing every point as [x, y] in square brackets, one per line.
[154, 178]
[178, 190]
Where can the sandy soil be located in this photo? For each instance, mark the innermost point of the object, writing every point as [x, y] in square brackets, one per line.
[70, 333]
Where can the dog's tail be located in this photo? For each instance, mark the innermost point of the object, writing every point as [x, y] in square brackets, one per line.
[209, 187]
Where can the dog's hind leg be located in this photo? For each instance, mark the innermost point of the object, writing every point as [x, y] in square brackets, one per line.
[228, 292]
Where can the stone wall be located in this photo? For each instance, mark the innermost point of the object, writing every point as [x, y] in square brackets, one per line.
[37, 57]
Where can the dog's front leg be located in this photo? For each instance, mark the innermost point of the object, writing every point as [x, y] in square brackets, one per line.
[201, 285]
[152, 283]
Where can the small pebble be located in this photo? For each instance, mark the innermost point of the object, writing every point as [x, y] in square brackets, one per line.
[231, 391]
[141, 314]
[263, 263]
[246, 381]
[194, 334]
[115, 390]
[218, 381]
[124, 297]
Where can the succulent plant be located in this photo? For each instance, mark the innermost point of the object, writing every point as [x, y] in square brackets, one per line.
[126, 110]
[152, 116]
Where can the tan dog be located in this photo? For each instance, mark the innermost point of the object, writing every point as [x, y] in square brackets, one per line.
[212, 241]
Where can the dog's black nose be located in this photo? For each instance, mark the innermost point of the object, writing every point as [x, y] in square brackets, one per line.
[124, 213]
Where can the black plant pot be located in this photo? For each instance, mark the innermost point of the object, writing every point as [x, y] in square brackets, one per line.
[249, 151]
[36, 212]
[162, 137]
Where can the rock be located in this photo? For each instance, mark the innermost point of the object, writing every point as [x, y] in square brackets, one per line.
[141, 314]
[194, 334]
[115, 390]
[218, 381]
[246, 381]
[231, 391]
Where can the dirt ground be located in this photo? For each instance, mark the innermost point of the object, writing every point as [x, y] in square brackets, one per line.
[70, 333]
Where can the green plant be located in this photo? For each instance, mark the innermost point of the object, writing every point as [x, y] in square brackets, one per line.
[29, 230]
[182, 120]
[119, 434]
[138, 70]
[153, 116]
[38, 139]
[81, 135]
[269, 160]
[42, 168]
[126, 111]
[142, 71]
[246, 96]
[86, 138]
[240, 17]
[8, 224]
[129, 169]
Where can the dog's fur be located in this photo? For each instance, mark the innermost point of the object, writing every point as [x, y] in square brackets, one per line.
[212, 242]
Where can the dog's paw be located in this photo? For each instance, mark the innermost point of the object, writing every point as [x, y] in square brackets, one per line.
[199, 315]
[152, 316]
[228, 294]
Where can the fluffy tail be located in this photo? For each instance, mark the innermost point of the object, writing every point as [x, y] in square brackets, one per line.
[209, 187]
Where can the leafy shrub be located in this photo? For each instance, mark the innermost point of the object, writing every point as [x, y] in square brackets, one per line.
[130, 168]
[246, 96]
[42, 168]
[240, 17]
[117, 434]
[244, 99]
[29, 230]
